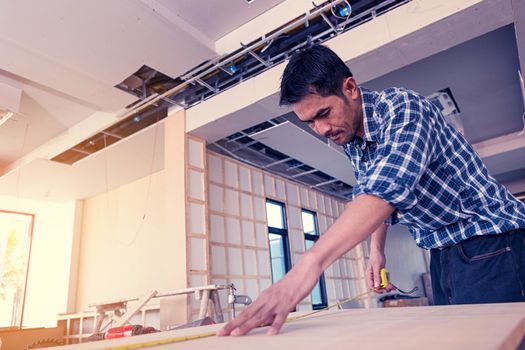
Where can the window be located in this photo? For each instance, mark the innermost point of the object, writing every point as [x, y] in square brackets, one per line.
[15, 245]
[278, 238]
[311, 235]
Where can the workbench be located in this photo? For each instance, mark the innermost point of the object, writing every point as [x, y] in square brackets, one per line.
[486, 326]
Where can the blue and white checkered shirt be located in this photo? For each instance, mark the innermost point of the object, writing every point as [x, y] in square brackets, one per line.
[411, 158]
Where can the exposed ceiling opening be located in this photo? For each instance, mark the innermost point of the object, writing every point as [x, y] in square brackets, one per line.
[242, 146]
[113, 134]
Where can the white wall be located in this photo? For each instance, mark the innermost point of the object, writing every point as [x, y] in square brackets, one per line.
[404, 259]
[50, 264]
[123, 255]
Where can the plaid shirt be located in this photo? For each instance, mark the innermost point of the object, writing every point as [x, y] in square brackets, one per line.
[411, 158]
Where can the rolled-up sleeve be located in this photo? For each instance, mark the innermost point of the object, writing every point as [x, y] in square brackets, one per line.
[406, 148]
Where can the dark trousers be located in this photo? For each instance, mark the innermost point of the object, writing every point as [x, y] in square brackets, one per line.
[482, 269]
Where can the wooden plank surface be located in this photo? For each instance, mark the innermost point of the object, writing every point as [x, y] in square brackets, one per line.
[488, 326]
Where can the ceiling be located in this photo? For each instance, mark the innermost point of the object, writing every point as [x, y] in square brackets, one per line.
[69, 59]
[73, 54]
[215, 18]
[482, 74]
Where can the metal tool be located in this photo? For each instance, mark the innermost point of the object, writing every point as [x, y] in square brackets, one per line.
[385, 276]
[237, 299]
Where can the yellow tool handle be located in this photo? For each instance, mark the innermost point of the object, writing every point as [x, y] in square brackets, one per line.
[384, 277]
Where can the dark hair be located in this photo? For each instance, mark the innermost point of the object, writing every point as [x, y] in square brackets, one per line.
[316, 69]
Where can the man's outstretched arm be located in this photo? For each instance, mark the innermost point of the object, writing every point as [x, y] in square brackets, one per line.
[360, 218]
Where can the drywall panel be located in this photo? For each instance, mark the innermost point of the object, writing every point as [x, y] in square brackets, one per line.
[269, 185]
[297, 240]
[304, 197]
[216, 201]
[328, 206]
[196, 218]
[321, 221]
[233, 229]
[248, 233]
[197, 254]
[259, 208]
[250, 262]
[247, 254]
[244, 179]
[312, 199]
[215, 171]
[196, 184]
[252, 289]
[231, 174]
[217, 228]
[292, 194]
[195, 153]
[321, 204]
[265, 283]
[296, 257]
[294, 217]
[280, 191]
[232, 202]
[257, 181]
[235, 263]
[246, 206]
[218, 266]
[197, 280]
[261, 235]
[118, 228]
[263, 262]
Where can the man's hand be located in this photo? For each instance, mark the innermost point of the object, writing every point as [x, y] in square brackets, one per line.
[271, 308]
[376, 262]
[274, 304]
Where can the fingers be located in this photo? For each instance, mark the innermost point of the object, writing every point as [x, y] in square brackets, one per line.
[242, 324]
[377, 277]
[278, 322]
[390, 287]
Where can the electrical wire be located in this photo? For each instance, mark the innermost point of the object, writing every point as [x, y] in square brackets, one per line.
[148, 189]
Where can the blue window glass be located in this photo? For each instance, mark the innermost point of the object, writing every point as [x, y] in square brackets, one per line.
[278, 239]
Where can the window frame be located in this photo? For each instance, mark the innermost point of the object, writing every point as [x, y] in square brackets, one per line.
[314, 238]
[18, 311]
[284, 235]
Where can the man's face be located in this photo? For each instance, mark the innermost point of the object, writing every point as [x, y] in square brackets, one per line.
[334, 117]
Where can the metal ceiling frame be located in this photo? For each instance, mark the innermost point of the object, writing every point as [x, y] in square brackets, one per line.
[221, 73]
[157, 92]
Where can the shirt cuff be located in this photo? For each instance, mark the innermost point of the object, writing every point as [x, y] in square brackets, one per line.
[396, 194]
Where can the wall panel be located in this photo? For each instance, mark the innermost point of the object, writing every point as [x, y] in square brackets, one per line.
[244, 241]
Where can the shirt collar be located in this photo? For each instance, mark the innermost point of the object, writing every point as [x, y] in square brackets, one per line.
[370, 125]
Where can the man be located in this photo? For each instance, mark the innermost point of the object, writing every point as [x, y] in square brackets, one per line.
[412, 169]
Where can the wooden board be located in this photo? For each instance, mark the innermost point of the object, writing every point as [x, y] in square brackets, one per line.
[489, 326]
